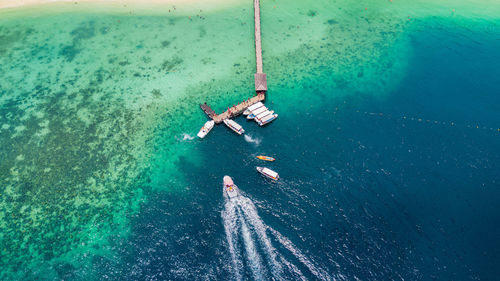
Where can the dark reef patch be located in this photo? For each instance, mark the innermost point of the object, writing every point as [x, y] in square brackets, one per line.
[8, 38]
[156, 93]
[84, 31]
[312, 13]
[332, 21]
[69, 52]
[169, 65]
[82, 142]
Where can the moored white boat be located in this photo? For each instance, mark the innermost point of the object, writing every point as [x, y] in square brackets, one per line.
[268, 173]
[234, 126]
[206, 129]
[266, 120]
[229, 188]
[263, 115]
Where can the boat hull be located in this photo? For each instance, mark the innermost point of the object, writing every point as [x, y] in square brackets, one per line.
[235, 127]
[266, 158]
[268, 173]
[209, 125]
[267, 120]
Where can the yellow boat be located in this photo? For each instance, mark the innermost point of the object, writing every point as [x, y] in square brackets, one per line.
[265, 158]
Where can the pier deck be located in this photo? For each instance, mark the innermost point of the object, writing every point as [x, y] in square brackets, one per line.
[231, 111]
[258, 41]
[208, 110]
[260, 76]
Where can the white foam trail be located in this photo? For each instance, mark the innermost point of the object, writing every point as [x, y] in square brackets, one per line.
[241, 213]
[186, 137]
[250, 139]
[251, 215]
[319, 273]
[252, 255]
[231, 228]
[292, 268]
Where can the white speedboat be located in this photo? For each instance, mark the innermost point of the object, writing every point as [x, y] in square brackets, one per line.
[230, 189]
[256, 112]
[234, 126]
[206, 129]
[268, 173]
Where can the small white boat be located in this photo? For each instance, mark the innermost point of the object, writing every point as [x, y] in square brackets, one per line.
[229, 188]
[206, 129]
[256, 112]
[268, 119]
[268, 173]
[234, 126]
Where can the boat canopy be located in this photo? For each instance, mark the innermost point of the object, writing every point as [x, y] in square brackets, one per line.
[270, 172]
[255, 106]
[234, 124]
[263, 114]
[259, 110]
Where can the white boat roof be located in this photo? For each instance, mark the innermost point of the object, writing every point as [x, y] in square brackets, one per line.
[210, 124]
[269, 118]
[259, 110]
[255, 106]
[263, 114]
[234, 124]
[270, 172]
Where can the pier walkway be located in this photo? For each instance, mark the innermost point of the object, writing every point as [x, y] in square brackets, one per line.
[232, 111]
[260, 76]
[258, 40]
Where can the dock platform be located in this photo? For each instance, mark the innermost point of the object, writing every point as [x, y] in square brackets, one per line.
[232, 111]
[208, 110]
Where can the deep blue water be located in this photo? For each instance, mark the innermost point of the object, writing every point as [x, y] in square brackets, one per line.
[365, 192]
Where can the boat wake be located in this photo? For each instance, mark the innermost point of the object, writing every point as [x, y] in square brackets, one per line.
[255, 140]
[186, 137]
[250, 244]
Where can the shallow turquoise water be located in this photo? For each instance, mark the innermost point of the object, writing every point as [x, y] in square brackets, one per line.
[387, 143]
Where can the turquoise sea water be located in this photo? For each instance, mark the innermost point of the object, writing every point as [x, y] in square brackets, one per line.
[386, 142]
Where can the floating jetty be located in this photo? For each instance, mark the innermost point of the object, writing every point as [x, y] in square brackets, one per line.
[260, 79]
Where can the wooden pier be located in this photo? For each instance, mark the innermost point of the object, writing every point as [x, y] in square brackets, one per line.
[260, 79]
[258, 40]
[208, 110]
[232, 111]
